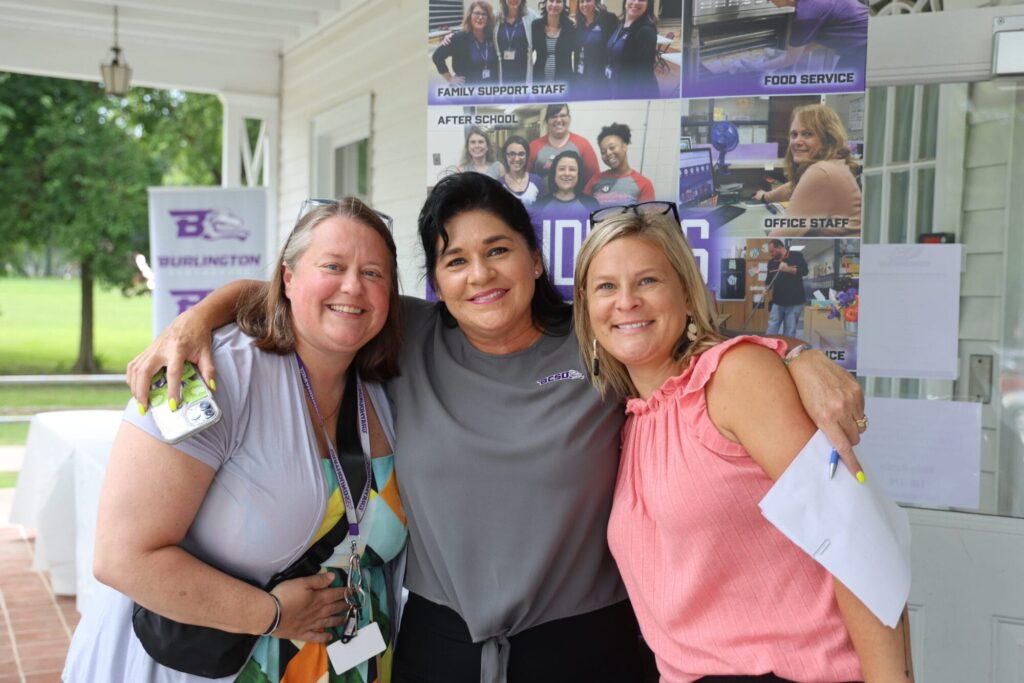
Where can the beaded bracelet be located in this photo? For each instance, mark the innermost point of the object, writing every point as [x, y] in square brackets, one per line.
[795, 352]
[277, 616]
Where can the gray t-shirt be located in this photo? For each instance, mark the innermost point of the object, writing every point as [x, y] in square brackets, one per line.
[507, 466]
[266, 501]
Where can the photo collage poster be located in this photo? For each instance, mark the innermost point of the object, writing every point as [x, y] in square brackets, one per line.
[575, 105]
[770, 151]
[571, 105]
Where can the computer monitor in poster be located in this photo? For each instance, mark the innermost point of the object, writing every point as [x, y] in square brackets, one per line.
[696, 176]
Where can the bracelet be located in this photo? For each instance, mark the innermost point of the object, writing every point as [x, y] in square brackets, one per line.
[277, 615]
[795, 352]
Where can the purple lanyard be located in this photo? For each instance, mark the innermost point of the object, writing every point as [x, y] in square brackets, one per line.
[515, 31]
[352, 511]
[483, 50]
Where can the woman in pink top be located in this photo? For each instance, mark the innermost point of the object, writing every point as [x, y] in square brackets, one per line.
[821, 176]
[720, 593]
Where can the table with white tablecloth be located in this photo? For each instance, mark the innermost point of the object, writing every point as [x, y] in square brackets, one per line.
[58, 493]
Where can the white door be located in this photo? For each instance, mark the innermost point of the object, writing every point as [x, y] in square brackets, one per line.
[945, 153]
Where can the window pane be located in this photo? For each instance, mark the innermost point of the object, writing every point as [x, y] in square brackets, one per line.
[875, 134]
[902, 123]
[929, 133]
[899, 186]
[925, 201]
[872, 208]
[910, 388]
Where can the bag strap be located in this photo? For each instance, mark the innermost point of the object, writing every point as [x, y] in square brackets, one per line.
[318, 553]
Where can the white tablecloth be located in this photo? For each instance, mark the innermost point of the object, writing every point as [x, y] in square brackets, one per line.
[58, 493]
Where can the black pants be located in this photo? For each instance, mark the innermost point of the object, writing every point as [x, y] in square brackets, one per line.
[434, 646]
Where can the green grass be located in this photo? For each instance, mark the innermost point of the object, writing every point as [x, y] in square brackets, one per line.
[40, 320]
[8, 480]
[13, 433]
[31, 398]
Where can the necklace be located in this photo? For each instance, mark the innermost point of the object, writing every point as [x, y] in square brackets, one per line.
[517, 184]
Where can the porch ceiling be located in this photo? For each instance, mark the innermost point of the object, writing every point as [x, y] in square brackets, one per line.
[201, 45]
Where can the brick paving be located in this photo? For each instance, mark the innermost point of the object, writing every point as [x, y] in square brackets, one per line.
[35, 624]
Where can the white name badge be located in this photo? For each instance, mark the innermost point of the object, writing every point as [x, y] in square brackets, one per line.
[607, 72]
[579, 68]
[486, 73]
[367, 643]
[509, 55]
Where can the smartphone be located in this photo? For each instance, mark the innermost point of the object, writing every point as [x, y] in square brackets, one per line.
[197, 409]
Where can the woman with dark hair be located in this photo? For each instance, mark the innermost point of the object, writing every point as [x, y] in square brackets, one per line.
[513, 40]
[198, 532]
[821, 176]
[633, 51]
[517, 180]
[472, 49]
[594, 25]
[507, 457]
[478, 155]
[620, 184]
[565, 185]
[554, 44]
[559, 138]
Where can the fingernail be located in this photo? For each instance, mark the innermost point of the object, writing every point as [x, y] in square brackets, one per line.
[213, 384]
[142, 410]
[174, 405]
[860, 476]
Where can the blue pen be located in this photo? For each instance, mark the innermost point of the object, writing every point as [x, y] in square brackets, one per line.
[833, 463]
[771, 209]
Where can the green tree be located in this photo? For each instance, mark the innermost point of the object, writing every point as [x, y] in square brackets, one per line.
[75, 165]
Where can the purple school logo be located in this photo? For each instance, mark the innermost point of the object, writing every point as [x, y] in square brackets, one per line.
[209, 224]
[187, 298]
[561, 377]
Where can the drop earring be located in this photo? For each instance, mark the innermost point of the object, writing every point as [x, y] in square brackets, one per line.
[595, 364]
[691, 329]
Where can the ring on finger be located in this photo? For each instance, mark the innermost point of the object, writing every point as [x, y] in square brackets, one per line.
[862, 423]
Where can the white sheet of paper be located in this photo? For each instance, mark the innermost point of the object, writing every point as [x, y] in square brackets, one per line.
[925, 452]
[367, 643]
[909, 311]
[855, 532]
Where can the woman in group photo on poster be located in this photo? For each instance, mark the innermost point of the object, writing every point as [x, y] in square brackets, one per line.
[633, 52]
[565, 185]
[513, 39]
[620, 184]
[559, 138]
[554, 44]
[517, 180]
[478, 155]
[474, 57]
[594, 26]
[821, 176]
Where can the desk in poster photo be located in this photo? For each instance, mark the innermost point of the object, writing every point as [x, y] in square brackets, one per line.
[773, 166]
[802, 288]
[773, 47]
[562, 160]
[515, 51]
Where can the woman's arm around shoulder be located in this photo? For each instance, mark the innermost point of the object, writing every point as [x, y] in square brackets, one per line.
[752, 400]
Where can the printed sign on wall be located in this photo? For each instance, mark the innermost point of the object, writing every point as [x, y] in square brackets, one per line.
[201, 238]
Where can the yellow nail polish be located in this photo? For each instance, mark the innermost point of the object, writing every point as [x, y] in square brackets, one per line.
[174, 405]
[860, 476]
[142, 410]
[213, 384]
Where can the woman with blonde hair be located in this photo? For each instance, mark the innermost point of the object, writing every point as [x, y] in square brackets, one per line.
[710, 424]
[472, 49]
[513, 40]
[478, 155]
[821, 174]
[251, 526]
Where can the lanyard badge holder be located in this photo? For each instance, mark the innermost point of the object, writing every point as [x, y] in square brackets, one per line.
[355, 645]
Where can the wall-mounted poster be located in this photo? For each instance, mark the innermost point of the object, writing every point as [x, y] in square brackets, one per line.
[773, 47]
[514, 51]
[563, 160]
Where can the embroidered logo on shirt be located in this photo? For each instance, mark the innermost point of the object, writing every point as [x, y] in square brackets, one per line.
[560, 376]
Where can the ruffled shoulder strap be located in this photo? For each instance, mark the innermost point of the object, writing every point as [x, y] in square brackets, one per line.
[693, 401]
